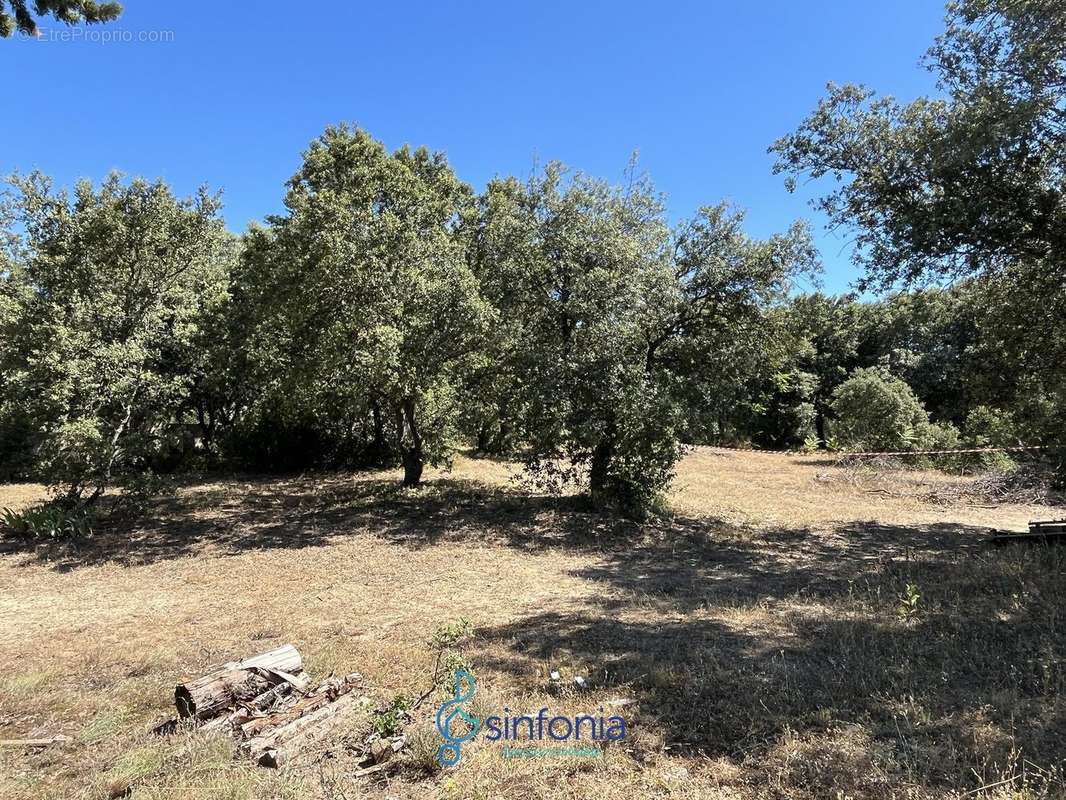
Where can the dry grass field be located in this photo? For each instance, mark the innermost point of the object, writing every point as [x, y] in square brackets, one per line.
[760, 628]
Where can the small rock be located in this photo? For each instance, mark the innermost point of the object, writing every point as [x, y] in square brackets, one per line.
[555, 675]
[381, 750]
[621, 702]
[580, 682]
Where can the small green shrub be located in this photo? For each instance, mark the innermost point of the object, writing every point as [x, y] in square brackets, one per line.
[449, 634]
[908, 602]
[389, 721]
[990, 427]
[46, 522]
[449, 658]
[877, 411]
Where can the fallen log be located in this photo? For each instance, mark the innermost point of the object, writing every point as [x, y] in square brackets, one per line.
[326, 693]
[239, 681]
[279, 745]
[258, 706]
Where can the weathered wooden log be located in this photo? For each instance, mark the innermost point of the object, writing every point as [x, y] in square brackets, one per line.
[256, 725]
[250, 709]
[237, 682]
[280, 745]
[326, 693]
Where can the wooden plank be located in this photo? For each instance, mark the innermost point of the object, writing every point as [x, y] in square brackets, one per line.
[1035, 537]
[1049, 529]
[277, 747]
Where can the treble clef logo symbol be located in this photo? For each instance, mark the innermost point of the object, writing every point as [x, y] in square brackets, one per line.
[448, 754]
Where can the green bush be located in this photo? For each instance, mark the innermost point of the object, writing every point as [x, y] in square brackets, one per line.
[876, 411]
[46, 522]
[990, 427]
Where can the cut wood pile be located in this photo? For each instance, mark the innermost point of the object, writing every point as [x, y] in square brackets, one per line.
[1052, 531]
[267, 705]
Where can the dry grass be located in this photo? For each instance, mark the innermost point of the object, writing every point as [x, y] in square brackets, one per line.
[760, 630]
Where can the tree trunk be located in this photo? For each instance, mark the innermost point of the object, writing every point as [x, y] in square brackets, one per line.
[236, 682]
[412, 467]
[484, 438]
[377, 453]
[599, 468]
[411, 453]
[501, 439]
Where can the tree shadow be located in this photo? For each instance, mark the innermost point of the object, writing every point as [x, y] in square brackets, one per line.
[267, 513]
[733, 641]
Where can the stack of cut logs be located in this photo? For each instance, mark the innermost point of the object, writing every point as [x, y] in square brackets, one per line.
[265, 702]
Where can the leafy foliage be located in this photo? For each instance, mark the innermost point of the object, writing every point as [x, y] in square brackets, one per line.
[113, 287]
[878, 412]
[72, 12]
[365, 304]
[963, 185]
[46, 522]
[389, 721]
[612, 327]
[969, 185]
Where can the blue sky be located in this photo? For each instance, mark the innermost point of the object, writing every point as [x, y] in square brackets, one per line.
[700, 89]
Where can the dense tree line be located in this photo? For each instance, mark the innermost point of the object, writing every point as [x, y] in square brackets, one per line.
[945, 344]
[967, 187]
[391, 315]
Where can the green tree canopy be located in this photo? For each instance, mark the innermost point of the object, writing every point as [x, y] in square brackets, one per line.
[963, 184]
[876, 411]
[616, 327]
[369, 304]
[111, 291]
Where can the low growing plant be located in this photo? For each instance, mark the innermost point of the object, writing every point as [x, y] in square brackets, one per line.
[389, 721]
[908, 602]
[46, 523]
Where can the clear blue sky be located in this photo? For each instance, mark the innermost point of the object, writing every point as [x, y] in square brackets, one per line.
[699, 88]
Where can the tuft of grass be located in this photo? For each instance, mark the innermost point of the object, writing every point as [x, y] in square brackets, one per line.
[105, 725]
[130, 768]
[420, 752]
[26, 684]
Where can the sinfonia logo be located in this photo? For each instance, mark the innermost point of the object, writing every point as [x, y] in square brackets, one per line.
[449, 753]
[457, 726]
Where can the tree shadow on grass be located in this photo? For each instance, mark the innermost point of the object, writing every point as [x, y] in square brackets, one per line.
[732, 648]
[255, 514]
[679, 555]
[730, 639]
